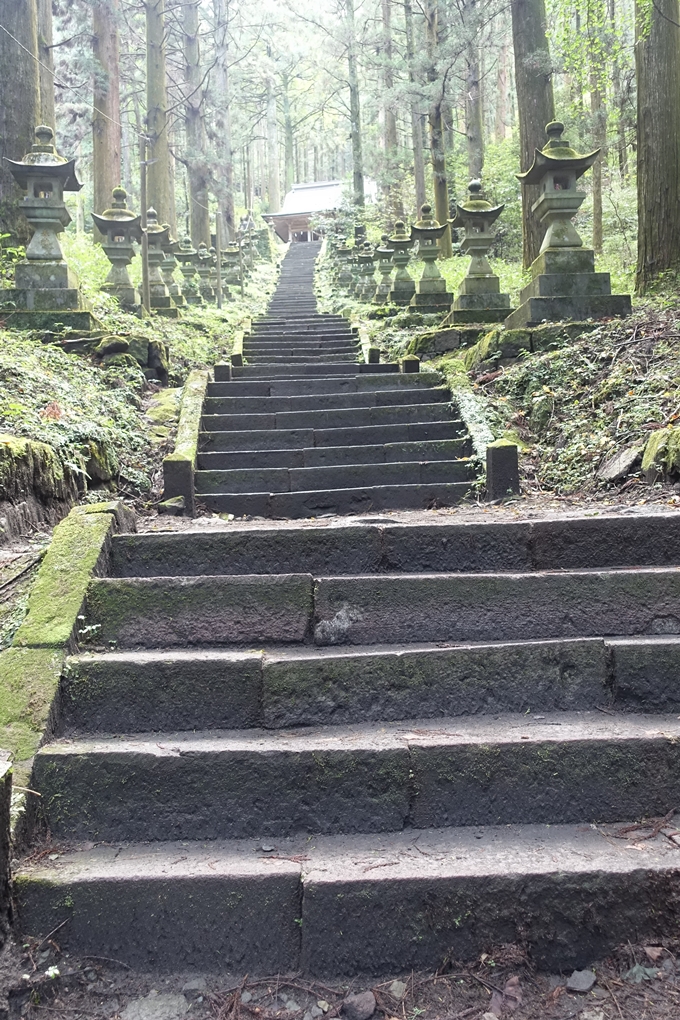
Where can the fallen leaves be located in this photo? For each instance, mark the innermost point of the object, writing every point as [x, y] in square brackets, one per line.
[509, 999]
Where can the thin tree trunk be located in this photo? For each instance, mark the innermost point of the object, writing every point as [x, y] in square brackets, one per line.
[158, 173]
[501, 118]
[223, 182]
[106, 129]
[46, 71]
[391, 140]
[199, 211]
[619, 99]
[19, 106]
[273, 189]
[599, 113]
[535, 102]
[474, 128]
[416, 119]
[439, 181]
[355, 108]
[657, 63]
[289, 139]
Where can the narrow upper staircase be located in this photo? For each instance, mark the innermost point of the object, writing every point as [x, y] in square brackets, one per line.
[305, 428]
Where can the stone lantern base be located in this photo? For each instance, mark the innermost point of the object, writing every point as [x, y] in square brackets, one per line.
[565, 285]
[46, 293]
[479, 300]
[431, 296]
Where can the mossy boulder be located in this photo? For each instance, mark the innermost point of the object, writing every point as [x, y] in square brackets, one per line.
[29, 468]
[139, 348]
[101, 461]
[164, 406]
[662, 453]
[120, 361]
[440, 341]
[159, 360]
[112, 345]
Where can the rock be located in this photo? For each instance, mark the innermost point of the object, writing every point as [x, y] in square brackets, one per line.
[360, 1006]
[398, 989]
[662, 453]
[246, 997]
[156, 1007]
[164, 406]
[197, 984]
[315, 1012]
[112, 345]
[101, 461]
[292, 1005]
[581, 981]
[173, 507]
[159, 360]
[323, 1005]
[119, 361]
[139, 348]
[592, 1014]
[620, 464]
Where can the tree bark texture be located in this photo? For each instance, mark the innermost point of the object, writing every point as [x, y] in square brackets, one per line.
[223, 182]
[46, 71]
[289, 139]
[536, 105]
[106, 127]
[354, 108]
[159, 184]
[599, 114]
[416, 118]
[474, 127]
[273, 188]
[439, 181]
[194, 125]
[391, 141]
[19, 105]
[657, 64]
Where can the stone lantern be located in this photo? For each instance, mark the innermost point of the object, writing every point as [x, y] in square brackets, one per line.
[161, 302]
[403, 286]
[203, 267]
[479, 298]
[120, 228]
[431, 295]
[231, 257]
[46, 289]
[364, 288]
[168, 267]
[564, 283]
[384, 253]
[344, 276]
[186, 254]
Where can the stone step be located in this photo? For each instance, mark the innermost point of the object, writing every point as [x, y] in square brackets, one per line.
[254, 358]
[334, 418]
[281, 687]
[328, 502]
[345, 905]
[380, 545]
[317, 402]
[297, 347]
[323, 384]
[233, 609]
[236, 784]
[336, 476]
[444, 449]
[311, 369]
[371, 435]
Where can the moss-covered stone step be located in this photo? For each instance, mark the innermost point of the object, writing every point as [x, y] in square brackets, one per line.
[345, 905]
[568, 767]
[333, 476]
[442, 449]
[369, 435]
[309, 369]
[327, 502]
[333, 418]
[254, 358]
[321, 401]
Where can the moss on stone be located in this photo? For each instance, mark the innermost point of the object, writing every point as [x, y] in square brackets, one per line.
[164, 406]
[101, 461]
[662, 451]
[30, 468]
[29, 679]
[193, 396]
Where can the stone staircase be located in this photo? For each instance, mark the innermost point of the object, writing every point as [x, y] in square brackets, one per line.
[364, 747]
[304, 428]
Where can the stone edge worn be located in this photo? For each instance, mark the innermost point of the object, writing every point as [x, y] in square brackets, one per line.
[470, 406]
[179, 466]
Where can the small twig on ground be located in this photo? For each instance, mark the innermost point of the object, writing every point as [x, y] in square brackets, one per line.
[108, 959]
[654, 825]
[487, 984]
[613, 997]
[12, 580]
[53, 932]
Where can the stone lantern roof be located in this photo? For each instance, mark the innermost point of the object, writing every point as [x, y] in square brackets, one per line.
[476, 213]
[557, 154]
[158, 235]
[44, 158]
[400, 240]
[119, 217]
[427, 228]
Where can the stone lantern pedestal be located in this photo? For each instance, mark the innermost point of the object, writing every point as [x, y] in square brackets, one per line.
[479, 298]
[564, 283]
[120, 227]
[204, 268]
[46, 291]
[168, 267]
[186, 255]
[344, 275]
[161, 301]
[431, 296]
[403, 286]
[364, 289]
[231, 265]
[384, 253]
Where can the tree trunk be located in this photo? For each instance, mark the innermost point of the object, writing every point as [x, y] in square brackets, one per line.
[355, 108]
[439, 181]
[474, 128]
[106, 130]
[600, 141]
[535, 102]
[46, 71]
[391, 140]
[194, 124]
[289, 139]
[158, 176]
[619, 99]
[19, 106]
[501, 118]
[416, 118]
[657, 64]
[223, 181]
[273, 189]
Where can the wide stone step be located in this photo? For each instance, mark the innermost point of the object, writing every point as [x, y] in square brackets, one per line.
[382, 545]
[318, 402]
[346, 905]
[380, 609]
[329, 502]
[281, 687]
[444, 449]
[324, 384]
[336, 476]
[334, 418]
[372, 435]
[312, 368]
[303, 359]
[237, 784]
[300, 347]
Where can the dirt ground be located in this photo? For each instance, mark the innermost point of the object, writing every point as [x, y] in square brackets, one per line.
[637, 983]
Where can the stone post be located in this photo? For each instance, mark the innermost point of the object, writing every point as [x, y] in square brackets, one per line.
[403, 286]
[186, 256]
[120, 227]
[161, 301]
[384, 253]
[479, 298]
[431, 296]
